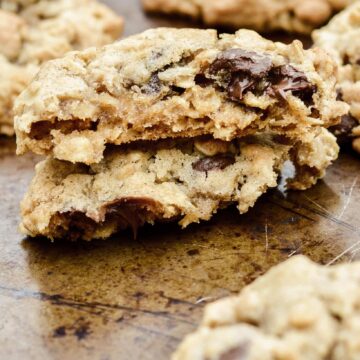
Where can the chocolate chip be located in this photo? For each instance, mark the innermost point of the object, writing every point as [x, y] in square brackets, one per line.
[193, 252]
[78, 225]
[177, 90]
[346, 59]
[239, 85]
[60, 331]
[238, 60]
[286, 78]
[130, 202]
[131, 211]
[125, 212]
[339, 95]
[343, 130]
[203, 81]
[238, 353]
[82, 332]
[217, 162]
[153, 86]
[244, 71]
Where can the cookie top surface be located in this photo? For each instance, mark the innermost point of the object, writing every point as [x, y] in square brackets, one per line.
[171, 83]
[298, 310]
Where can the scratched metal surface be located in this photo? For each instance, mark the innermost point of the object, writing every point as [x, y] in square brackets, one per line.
[136, 299]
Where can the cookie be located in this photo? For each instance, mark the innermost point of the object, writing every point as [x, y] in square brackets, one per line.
[341, 39]
[13, 80]
[298, 310]
[300, 16]
[175, 83]
[32, 32]
[183, 180]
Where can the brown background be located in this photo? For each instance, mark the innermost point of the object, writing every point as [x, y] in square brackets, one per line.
[136, 299]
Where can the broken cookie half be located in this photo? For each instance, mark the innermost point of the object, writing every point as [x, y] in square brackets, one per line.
[183, 180]
[298, 310]
[175, 83]
[172, 125]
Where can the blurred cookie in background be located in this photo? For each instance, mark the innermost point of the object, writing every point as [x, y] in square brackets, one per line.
[341, 39]
[297, 310]
[295, 16]
[32, 32]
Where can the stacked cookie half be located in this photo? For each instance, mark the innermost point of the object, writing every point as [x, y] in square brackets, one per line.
[34, 31]
[172, 125]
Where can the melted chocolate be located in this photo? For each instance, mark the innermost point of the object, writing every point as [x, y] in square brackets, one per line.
[238, 60]
[217, 162]
[286, 78]
[244, 71]
[343, 130]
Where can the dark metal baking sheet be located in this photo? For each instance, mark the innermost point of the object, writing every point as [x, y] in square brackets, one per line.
[136, 299]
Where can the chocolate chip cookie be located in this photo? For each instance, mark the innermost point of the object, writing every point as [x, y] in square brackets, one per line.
[300, 16]
[183, 180]
[298, 310]
[32, 32]
[341, 39]
[175, 83]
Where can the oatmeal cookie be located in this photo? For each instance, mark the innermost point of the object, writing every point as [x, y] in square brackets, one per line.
[13, 80]
[297, 311]
[175, 83]
[300, 16]
[186, 180]
[32, 32]
[341, 39]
